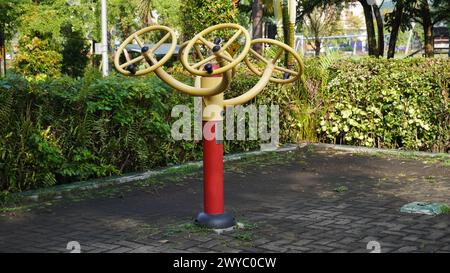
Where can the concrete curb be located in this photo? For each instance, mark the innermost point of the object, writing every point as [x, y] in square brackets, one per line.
[358, 149]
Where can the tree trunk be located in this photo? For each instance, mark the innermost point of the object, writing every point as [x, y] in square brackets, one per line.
[286, 33]
[257, 23]
[292, 35]
[278, 14]
[371, 39]
[285, 14]
[380, 30]
[317, 45]
[292, 13]
[2, 50]
[398, 14]
[427, 28]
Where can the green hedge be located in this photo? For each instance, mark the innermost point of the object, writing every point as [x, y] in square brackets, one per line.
[399, 103]
[63, 130]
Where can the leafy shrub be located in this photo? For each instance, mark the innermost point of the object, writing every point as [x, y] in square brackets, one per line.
[388, 103]
[74, 52]
[66, 129]
[200, 14]
[286, 97]
[29, 154]
[36, 59]
[62, 130]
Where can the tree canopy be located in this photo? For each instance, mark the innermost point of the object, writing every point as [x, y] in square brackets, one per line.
[200, 14]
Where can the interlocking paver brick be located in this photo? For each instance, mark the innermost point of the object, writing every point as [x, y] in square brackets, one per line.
[296, 210]
[120, 250]
[273, 248]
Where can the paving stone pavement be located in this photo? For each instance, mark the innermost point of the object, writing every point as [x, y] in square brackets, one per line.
[287, 203]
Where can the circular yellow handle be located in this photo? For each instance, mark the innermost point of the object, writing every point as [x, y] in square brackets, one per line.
[125, 68]
[288, 75]
[217, 50]
[199, 55]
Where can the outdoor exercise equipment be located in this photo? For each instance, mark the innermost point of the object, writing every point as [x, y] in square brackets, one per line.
[128, 67]
[213, 61]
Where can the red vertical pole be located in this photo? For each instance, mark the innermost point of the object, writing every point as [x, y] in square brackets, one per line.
[213, 215]
[213, 173]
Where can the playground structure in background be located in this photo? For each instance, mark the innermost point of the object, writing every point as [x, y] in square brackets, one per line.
[212, 56]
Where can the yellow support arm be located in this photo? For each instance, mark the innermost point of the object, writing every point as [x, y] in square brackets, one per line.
[193, 91]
